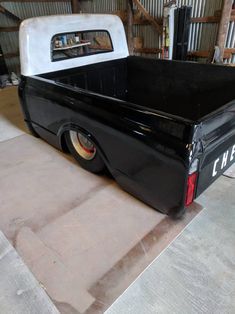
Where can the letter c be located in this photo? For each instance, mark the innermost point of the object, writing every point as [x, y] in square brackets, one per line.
[214, 168]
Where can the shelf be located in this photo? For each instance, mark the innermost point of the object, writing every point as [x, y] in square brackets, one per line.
[9, 29]
[206, 53]
[212, 19]
[147, 50]
[71, 47]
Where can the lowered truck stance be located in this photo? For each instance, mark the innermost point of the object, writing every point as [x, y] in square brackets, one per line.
[164, 129]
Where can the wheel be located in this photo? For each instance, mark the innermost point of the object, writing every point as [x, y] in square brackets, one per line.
[177, 213]
[31, 129]
[84, 151]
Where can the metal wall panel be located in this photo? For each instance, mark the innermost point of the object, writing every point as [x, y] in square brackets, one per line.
[26, 9]
[202, 35]
[9, 40]
[231, 40]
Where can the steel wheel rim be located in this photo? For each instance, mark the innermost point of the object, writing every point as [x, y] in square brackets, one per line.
[83, 146]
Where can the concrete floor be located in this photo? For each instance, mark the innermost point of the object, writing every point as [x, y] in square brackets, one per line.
[83, 238]
[196, 273]
[20, 292]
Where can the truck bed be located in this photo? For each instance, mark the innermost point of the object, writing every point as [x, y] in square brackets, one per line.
[165, 130]
[187, 90]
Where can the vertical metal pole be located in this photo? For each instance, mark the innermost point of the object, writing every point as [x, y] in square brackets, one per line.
[130, 17]
[223, 27]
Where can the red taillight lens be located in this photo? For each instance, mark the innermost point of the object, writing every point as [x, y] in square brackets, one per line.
[191, 186]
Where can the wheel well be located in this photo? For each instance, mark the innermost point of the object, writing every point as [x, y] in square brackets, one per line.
[63, 143]
[65, 147]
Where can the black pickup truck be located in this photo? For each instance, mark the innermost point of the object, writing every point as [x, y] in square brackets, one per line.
[165, 130]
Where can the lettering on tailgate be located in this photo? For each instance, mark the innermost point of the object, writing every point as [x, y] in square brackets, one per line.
[224, 160]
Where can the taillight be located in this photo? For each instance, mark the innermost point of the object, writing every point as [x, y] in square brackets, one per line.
[191, 187]
[192, 182]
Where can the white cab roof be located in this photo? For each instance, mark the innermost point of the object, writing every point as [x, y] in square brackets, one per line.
[36, 35]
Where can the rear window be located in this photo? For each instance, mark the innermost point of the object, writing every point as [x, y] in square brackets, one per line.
[79, 44]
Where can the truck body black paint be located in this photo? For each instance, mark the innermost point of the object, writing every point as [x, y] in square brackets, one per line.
[152, 121]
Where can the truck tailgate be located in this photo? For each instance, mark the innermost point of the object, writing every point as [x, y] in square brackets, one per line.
[218, 146]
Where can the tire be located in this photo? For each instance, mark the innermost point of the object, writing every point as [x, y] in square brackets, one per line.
[177, 213]
[31, 129]
[84, 151]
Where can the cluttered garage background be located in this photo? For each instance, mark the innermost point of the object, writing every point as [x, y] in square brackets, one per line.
[196, 27]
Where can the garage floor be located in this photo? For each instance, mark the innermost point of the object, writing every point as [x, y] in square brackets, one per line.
[20, 292]
[196, 273]
[83, 238]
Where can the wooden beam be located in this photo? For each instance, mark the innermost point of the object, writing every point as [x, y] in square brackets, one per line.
[151, 20]
[35, 1]
[148, 50]
[9, 29]
[228, 53]
[199, 54]
[75, 6]
[11, 55]
[206, 53]
[210, 19]
[223, 27]
[230, 50]
[142, 21]
[219, 12]
[206, 19]
[130, 18]
[9, 14]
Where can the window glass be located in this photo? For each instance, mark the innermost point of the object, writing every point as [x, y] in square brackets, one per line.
[79, 44]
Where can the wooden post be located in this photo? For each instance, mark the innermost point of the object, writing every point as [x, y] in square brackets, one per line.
[75, 6]
[130, 17]
[223, 27]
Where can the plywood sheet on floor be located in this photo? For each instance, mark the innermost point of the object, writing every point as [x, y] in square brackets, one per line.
[83, 237]
[73, 228]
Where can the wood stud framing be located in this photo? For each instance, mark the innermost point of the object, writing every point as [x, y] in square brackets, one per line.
[20, 1]
[75, 6]
[224, 26]
[151, 20]
[75, 9]
[223, 17]
[130, 18]
[206, 53]
[9, 29]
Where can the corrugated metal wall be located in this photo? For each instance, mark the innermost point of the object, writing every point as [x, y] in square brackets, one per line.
[202, 35]
[231, 40]
[9, 40]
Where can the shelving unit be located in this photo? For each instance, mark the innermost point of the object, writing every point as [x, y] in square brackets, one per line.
[71, 47]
